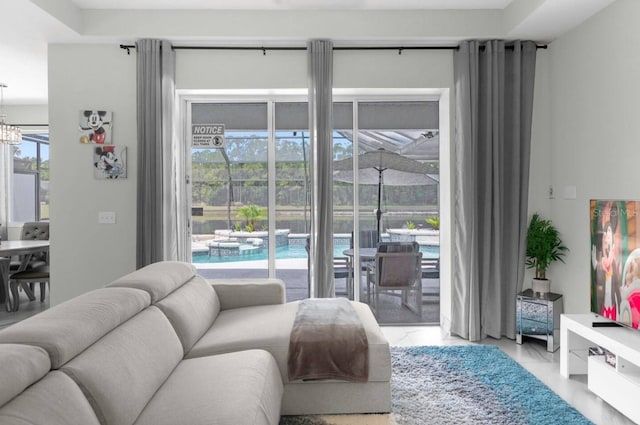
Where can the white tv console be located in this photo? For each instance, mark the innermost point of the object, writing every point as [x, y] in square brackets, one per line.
[620, 385]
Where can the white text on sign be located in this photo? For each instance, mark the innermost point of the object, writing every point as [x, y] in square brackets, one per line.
[207, 136]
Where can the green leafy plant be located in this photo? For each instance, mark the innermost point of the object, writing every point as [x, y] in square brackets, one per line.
[544, 246]
[411, 225]
[433, 221]
[237, 227]
[251, 214]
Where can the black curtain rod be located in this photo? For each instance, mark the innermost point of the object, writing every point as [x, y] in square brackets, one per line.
[128, 48]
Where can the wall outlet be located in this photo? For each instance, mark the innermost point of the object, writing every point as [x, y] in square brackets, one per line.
[107, 217]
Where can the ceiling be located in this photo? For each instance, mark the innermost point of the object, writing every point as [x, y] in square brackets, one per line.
[292, 4]
[30, 25]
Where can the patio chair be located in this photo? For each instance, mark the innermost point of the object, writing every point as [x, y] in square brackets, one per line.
[368, 239]
[399, 247]
[342, 269]
[396, 272]
[431, 268]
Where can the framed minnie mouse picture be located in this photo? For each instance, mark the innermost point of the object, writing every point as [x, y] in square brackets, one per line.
[110, 162]
[95, 127]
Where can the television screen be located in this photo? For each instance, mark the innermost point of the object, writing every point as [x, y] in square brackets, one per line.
[615, 260]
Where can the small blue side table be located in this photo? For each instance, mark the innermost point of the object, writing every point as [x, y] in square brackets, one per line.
[538, 316]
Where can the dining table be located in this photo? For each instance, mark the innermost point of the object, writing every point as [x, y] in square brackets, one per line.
[25, 249]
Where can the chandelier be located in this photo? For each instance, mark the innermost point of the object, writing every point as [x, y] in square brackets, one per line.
[9, 134]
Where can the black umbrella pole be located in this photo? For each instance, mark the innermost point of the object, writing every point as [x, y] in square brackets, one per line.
[379, 211]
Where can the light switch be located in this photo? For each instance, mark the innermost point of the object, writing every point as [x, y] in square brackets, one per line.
[107, 217]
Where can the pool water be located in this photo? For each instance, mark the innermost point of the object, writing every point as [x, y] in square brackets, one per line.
[295, 252]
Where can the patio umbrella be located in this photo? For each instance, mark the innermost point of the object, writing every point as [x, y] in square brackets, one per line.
[373, 164]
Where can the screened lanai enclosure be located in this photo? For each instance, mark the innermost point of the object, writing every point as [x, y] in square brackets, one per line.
[251, 212]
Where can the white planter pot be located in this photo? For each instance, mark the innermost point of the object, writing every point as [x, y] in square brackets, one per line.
[541, 286]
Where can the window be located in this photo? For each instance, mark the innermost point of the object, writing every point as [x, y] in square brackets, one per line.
[31, 177]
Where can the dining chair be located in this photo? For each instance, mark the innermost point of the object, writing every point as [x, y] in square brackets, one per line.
[396, 272]
[32, 230]
[28, 277]
[36, 230]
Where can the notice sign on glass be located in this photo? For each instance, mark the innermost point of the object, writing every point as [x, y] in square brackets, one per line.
[207, 136]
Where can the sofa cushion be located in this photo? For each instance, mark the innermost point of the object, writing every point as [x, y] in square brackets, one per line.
[120, 373]
[191, 309]
[269, 328]
[69, 328]
[54, 400]
[158, 279]
[242, 388]
[20, 366]
[236, 293]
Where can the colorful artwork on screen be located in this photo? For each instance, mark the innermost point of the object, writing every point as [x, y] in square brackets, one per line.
[615, 260]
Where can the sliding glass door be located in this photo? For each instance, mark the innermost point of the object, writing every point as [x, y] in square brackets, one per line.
[251, 212]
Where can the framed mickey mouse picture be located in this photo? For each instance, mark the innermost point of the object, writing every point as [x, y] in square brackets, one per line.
[95, 127]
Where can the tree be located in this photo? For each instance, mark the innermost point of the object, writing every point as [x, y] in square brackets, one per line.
[251, 214]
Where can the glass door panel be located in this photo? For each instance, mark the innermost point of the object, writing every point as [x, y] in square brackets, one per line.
[399, 203]
[230, 193]
[343, 217]
[293, 196]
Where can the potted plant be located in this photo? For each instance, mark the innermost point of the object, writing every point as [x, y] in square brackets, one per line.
[434, 222]
[544, 246]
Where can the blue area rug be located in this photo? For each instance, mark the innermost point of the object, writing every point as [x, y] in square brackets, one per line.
[470, 384]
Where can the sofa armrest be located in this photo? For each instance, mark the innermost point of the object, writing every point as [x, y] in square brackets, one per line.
[235, 293]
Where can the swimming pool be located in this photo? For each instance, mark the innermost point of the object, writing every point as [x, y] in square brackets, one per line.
[293, 252]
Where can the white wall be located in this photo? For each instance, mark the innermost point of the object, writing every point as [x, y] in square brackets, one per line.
[595, 132]
[84, 254]
[540, 163]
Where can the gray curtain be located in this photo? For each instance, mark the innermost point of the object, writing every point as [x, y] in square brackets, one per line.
[161, 228]
[320, 72]
[494, 102]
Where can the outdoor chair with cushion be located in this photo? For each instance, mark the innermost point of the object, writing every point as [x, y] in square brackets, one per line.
[431, 268]
[368, 239]
[399, 247]
[342, 269]
[394, 272]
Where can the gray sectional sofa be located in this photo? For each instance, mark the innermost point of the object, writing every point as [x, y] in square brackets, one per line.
[164, 346]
